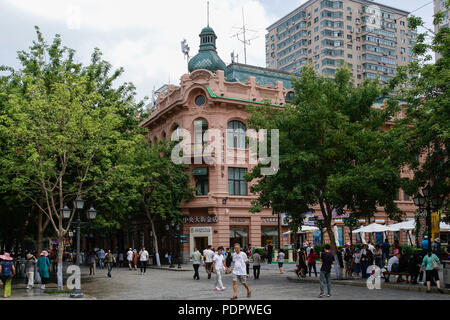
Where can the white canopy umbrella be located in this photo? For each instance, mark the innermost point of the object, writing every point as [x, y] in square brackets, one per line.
[444, 227]
[405, 225]
[305, 229]
[374, 227]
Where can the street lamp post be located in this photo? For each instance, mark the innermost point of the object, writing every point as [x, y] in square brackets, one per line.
[428, 202]
[92, 213]
[179, 245]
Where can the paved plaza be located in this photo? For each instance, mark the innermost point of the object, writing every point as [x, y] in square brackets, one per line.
[164, 284]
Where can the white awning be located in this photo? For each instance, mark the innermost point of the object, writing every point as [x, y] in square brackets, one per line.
[405, 225]
[374, 227]
[304, 229]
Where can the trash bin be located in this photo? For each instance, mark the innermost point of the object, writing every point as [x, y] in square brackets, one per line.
[150, 259]
[446, 272]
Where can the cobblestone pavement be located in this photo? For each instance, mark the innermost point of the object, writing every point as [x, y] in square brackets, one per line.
[170, 285]
[176, 284]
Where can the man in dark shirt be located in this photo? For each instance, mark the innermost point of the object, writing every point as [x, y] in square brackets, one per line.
[325, 271]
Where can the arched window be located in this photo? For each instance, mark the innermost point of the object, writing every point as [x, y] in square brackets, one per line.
[236, 135]
[290, 97]
[200, 127]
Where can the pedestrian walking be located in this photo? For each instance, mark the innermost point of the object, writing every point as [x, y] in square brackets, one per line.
[269, 249]
[348, 259]
[101, 258]
[92, 262]
[239, 263]
[143, 258]
[121, 259]
[325, 271]
[229, 258]
[130, 258]
[135, 259]
[280, 260]
[208, 255]
[110, 260]
[30, 269]
[312, 257]
[301, 263]
[53, 259]
[256, 265]
[218, 267]
[43, 265]
[7, 272]
[431, 265]
[364, 261]
[196, 262]
[356, 262]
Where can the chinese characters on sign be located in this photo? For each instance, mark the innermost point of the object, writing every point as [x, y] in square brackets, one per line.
[212, 219]
[268, 220]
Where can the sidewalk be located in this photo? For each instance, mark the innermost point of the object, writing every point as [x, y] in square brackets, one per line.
[363, 283]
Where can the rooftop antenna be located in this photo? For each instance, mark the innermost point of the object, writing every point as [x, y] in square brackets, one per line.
[208, 14]
[243, 33]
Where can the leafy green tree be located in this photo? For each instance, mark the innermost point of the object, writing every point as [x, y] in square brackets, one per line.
[424, 86]
[334, 152]
[351, 223]
[64, 131]
[158, 184]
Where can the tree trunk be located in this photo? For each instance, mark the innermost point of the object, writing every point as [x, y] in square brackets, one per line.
[155, 238]
[351, 236]
[328, 217]
[60, 261]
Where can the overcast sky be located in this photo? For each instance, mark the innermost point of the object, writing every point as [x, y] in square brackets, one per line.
[144, 36]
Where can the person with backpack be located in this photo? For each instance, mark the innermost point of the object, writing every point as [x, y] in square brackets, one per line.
[43, 267]
[348, 259]
[7, 272]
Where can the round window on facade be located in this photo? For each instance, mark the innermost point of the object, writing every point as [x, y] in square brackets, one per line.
[200, 100]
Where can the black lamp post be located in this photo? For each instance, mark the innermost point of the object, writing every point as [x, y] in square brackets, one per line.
[177, 229]
[168, 227]
[92, 214]
[430, 203]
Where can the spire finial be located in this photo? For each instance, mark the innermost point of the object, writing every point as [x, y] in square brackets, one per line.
[208, 13]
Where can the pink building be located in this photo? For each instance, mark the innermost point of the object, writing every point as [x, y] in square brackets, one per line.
[215, 96]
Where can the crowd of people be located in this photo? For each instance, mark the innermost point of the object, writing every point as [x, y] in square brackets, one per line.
[353, 260]
[392, 260]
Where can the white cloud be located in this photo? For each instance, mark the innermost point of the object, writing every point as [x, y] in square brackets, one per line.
[144, 36]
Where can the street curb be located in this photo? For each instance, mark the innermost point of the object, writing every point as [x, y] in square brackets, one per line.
[169, 269]
[417, 288]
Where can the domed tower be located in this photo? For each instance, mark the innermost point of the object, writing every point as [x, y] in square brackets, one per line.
[207, 57]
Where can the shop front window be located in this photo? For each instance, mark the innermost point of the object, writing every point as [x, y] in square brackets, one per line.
[269, 234]
[239, 234]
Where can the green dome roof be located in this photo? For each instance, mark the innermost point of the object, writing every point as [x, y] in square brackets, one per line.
[207, 57]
